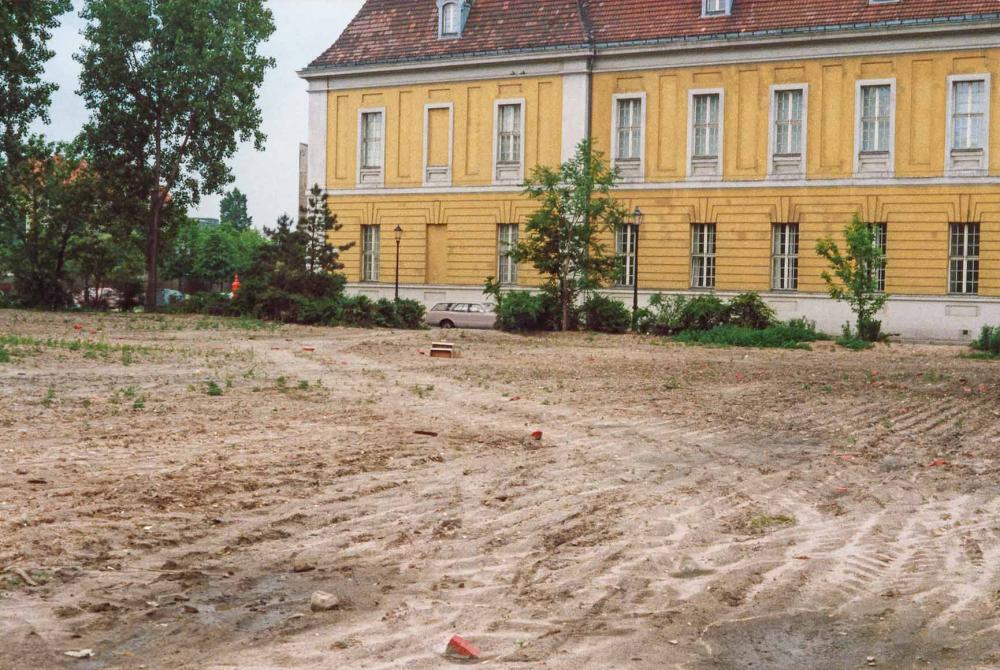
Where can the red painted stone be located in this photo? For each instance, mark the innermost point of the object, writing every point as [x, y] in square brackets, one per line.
[458, 646]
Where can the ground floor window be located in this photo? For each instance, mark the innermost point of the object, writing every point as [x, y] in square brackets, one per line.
[703, 255]
[881, 231]
[964, 259]
[626, 237]
[506, 241]
[785, 257]
[370, 243]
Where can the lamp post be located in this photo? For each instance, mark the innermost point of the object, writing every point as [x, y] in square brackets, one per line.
[636, 224]
[398, 232]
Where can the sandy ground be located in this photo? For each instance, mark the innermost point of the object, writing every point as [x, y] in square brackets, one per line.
[686, 507]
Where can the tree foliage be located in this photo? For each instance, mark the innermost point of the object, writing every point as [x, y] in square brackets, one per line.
[172, 86]
[25, 29]
[233, 210]
[60, 198]
[564, 236]
[316, 226]
[855, 275]
[210, 253]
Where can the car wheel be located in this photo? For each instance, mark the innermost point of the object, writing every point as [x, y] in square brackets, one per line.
[446, 324]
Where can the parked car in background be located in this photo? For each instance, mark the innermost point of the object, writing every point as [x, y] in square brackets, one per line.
[169, 296]
[462, 315]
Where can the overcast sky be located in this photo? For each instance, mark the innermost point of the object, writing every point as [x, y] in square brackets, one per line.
[305, 28]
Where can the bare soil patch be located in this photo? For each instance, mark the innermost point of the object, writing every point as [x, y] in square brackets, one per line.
[173, 491]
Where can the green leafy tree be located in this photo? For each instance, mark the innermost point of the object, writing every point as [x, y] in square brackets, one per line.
[210, 253]
[25, 29]
[564, 236]
[233, 210]
[854, 277]
[61, 199]
[172, 86]
[317, 225]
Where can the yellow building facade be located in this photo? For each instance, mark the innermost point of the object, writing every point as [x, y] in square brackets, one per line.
[741, 154]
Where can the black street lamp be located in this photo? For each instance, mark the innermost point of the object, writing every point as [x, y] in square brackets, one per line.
[637, 216]
[398, 231]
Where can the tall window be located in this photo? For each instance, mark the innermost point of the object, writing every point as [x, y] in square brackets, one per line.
[370, 243]
[509, 134]
[626, 236]
[964, 257]
[785, 257]
[629, 129]
[968, 115]
[706, 125]
[449, 18]
[881, 231]
[506, 241]
[788, 114]
[703, 255]
[371, 140]
[876, 118]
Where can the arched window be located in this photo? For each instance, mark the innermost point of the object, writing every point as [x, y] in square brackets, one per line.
[449, 18]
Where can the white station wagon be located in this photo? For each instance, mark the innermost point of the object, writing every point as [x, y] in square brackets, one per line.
[462, 315]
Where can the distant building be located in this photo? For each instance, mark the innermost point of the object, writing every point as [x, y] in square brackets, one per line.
[206, 221]
[745, 130]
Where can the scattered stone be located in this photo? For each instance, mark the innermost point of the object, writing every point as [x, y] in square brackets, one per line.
[870, 661]
[458, 647]
[323, 602]
[82, 653]
[302, 566]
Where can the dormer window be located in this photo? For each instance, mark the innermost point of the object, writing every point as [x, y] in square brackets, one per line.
[452, 15]
[716, 7]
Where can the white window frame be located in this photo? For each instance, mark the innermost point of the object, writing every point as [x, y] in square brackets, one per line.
[367, 177]
[966, 259]
[626, 239]
[881, 229]
[638, 174]
[790, 168]
[950, 167]
[458, 19]
[786, 275]
[504, 261]
[703, 275]
[718, 171]
[889, 168]
[371, 257]
[497, 180]
[438, 176]
[725, 10]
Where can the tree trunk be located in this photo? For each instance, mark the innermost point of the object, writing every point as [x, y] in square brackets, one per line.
[152, 249]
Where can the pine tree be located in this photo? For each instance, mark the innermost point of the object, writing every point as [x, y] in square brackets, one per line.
[316, 225]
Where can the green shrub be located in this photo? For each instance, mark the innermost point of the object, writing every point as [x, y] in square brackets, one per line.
[703, 312]
[748, 310]
[849, 340]
[410, 314]
[989, 340]
[790, 335]
[215, 304]
[319, 311]
[606, 315]
[4, 355]
[520, 312]
[358, 311]
[663, 315]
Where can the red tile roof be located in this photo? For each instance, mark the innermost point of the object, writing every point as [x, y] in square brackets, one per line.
[403, 30]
